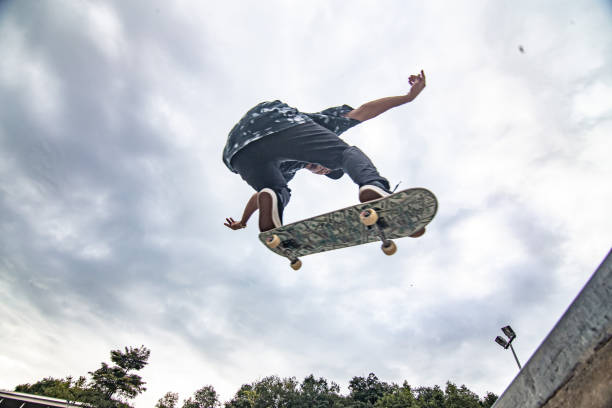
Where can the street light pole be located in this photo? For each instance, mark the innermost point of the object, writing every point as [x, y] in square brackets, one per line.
[515, 357]
[505, 344]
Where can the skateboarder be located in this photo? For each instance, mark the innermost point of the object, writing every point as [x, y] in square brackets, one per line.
[272, 141]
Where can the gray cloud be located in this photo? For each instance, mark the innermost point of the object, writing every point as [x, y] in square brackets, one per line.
[113, 193]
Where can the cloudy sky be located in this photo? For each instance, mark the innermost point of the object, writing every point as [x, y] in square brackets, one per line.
[113, 116]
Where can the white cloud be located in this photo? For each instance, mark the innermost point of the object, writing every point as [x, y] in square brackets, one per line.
[105, 30]
[114, 193]
[593, 102]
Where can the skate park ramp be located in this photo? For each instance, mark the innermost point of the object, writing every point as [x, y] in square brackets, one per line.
[573, 365]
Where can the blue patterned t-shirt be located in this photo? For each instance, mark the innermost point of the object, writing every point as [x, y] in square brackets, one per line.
[272, 117]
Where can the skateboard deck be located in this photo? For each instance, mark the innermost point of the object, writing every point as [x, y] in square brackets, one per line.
[398, 215]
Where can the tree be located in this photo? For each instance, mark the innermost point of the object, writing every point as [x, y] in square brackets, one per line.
[452, 397]
[167, 401]
[66, 389]
[269, 392]
[488, 400]
[108, 384]
[317, 393]
[245, 398]
[117, 379]
[367, 390]
[461, 397]
[398, 397]
[70, 390]
[370, 392]
[428, 397]
[205, 397]
[273, 392]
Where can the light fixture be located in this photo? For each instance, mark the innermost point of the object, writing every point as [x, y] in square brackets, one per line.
[505, 344]
[500, 340]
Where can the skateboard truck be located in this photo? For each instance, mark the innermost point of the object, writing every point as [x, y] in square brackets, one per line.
[274, 241]
[370, 219]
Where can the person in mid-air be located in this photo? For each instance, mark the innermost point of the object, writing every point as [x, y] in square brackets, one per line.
[273, 140]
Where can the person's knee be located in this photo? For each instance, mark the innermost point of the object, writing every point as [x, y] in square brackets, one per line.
[353, 154]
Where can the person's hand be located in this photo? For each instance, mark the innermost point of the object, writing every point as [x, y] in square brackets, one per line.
[417, 84]
[317, 169]
[235, 225]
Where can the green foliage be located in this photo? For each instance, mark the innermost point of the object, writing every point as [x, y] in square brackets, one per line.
[132, 358]
[167, 401]
[205, 397]
[488, 400]
[244, 398]
[452, 397]
[67, 389]
[109, 385]
[274, 392]
[367, 390]
[428, 397]
[117, 380]
[269, 392]
[70, 390]
[318, 393]
[460, 397]
[398, 397]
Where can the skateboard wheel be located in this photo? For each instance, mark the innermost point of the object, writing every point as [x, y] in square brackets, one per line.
[273, 241]
[296, 264]
[418, 233]
[368, 217]
[389, 247]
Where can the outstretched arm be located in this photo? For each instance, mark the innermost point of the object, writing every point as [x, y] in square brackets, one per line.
[374, 108]
[249, 209]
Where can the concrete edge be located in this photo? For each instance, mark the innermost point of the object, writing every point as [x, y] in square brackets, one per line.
[584, 328]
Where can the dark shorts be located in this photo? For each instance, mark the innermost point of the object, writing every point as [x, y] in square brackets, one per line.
[258, 163]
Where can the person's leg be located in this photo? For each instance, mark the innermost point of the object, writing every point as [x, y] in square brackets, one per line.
[315, 144]
[362, 171]
[258, 164]
[263, 174]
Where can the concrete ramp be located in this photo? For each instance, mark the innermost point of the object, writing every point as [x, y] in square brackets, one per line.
[573, 365]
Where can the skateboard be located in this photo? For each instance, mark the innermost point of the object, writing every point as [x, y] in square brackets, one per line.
[398, 215]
